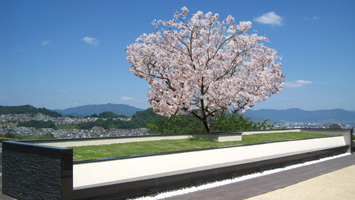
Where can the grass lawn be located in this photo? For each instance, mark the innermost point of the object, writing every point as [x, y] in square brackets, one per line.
[139, 148]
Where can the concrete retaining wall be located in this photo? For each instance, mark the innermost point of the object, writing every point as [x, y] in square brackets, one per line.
[132, 169]
[136, 188]
[252, 132]
[32, 170]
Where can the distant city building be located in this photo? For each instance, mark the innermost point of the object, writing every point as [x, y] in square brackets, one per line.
[56, 120]
[5, 127]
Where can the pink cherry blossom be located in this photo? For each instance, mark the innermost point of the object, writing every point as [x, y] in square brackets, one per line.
[230, 19]
[205, 66]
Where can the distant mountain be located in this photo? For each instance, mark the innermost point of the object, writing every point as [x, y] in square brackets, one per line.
[27, 109]
[82, 111]
[298, 115]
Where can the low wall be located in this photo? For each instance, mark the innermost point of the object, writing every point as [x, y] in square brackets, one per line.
[146, 167]
[36, 172]
[252, 132]
[32, 170]
[221, 137]
[124, 190]
[346, 133]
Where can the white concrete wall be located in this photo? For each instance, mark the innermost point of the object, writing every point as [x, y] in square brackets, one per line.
[220, 137]
[270, 131]
[122, 170]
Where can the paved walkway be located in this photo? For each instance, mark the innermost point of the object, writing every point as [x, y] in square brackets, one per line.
[335, 185]
[332, 179]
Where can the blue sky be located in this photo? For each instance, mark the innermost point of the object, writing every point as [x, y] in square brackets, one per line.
[61, 54]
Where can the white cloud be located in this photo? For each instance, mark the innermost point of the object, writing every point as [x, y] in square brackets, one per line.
[91, 40]
[127, 98]
[316, 17]
[270, 18]
[297, 84]
[46, 42]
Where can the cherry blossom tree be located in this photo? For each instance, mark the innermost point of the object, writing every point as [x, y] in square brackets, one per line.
[205, 66]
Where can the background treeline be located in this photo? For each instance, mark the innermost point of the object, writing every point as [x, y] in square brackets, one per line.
[27, 109]
[108, 115]
[38, 124]
[227, 122]
[157, 124]
[139, 120]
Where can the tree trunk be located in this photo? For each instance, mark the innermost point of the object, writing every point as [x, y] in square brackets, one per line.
[205, 124]
[203, 120]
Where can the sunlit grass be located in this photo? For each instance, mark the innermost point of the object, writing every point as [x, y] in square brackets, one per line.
[151, 147]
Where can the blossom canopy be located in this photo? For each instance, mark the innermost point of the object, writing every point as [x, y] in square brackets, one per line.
[205, 66]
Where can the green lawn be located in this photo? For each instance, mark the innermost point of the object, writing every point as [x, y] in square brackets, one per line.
[139, 148]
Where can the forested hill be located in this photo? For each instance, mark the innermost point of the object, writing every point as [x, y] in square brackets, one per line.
[87, 110]
[298, 115]
[27, 109]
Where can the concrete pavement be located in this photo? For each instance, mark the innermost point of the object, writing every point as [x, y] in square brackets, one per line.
[295, 181]
[335, 185]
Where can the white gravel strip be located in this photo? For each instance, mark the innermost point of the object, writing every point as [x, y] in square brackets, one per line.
[210, 185]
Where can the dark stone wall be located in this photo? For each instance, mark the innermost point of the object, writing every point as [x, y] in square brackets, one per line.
[37, 172]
